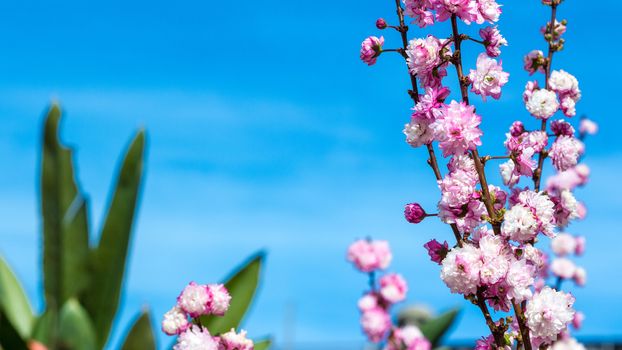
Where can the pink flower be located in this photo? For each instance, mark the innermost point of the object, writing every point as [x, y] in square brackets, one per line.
[488, 78]
[457, 128]
[414, 213]
[520, 278]
[370, 256]
[578, 319]
[436, 250]
[408, 337]
[561, 127]
[235, 341]
[580, 247]
[424, 54]
[580, 276]
[558, 29]
[588, 127]
[565, 152]
[563, 244]
[530, 87]
[428, 102]
[548, 313]
[487, 343]
[371, 48]
[376, 324]
[368, 302]
[467, 10]
[488, 10]
[568, 106]
[419, 12]
[220, 299]
[175, 321]
[196, 338]
[534, 61]
[195, 300]
[393, 288]
[563, 268]
[493, 40]
[461, 268]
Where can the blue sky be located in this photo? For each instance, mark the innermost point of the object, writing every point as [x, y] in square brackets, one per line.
[267, 132]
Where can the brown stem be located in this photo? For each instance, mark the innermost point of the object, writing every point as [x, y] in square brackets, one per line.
[537, 174]
[494, 330]
[522, 325]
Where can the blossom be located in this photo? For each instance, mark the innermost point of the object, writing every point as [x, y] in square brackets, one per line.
[414, 213]
[507, 173]
[580, 276]
[563, 82]
[381, 23]
[195, 299]
[489, 10]
[565, 152]
[519, 279]
[566, 207]
[457, 128]
[369, 256]
[371, 48]
[460, 269]
[488, 78]
[563, 268]
[563, 244]
[175, 321]
[548, 313]
[562, 127]
[578, 319]
[424, 54]
[376, 324]
[436, 250]
[419, 12]
[542, 104]
[408, 337]
[580, 248]
[567, 344]
[534, 61]
[367, 302]
[196, 338]
[393, 288]
[235, 341]
[418, 132]
[588, 126]
[542, 208]
[431, 100]
[568, 106]
[220, 299]
[520, 224]
[493, 40]
[467, 10]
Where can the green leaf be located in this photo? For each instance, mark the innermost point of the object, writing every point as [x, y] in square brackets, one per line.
[76, 329]
[65, 227]
[241, 286]
[435, 328]
[140, 336]
[43, 328]
[9, 336]
[14, 304]
[263, 344]
[108, 259]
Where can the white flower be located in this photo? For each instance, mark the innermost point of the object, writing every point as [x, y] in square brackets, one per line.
[567, 344]
[235, 341]
[507, 173]
[194, 299]
[542, 104]
[580, 276]
[519, 225]
[461, 268]
[548, 313]
[195, 339]
[543, 207]
[175, 321]
[519, 278]
[418, 133]
[563, 244]
[220, 299]
[561, 82]
[563, 268]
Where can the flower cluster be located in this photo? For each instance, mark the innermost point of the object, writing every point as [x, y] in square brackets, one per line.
[375, 304]
[495, 262]
[195, 301]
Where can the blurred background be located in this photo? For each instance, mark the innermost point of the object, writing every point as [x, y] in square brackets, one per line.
[265, 131]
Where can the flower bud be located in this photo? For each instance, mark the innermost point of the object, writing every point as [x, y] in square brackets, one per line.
[414, 213]
[381, 23]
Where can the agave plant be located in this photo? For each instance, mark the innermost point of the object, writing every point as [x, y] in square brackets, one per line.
[82, 283]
